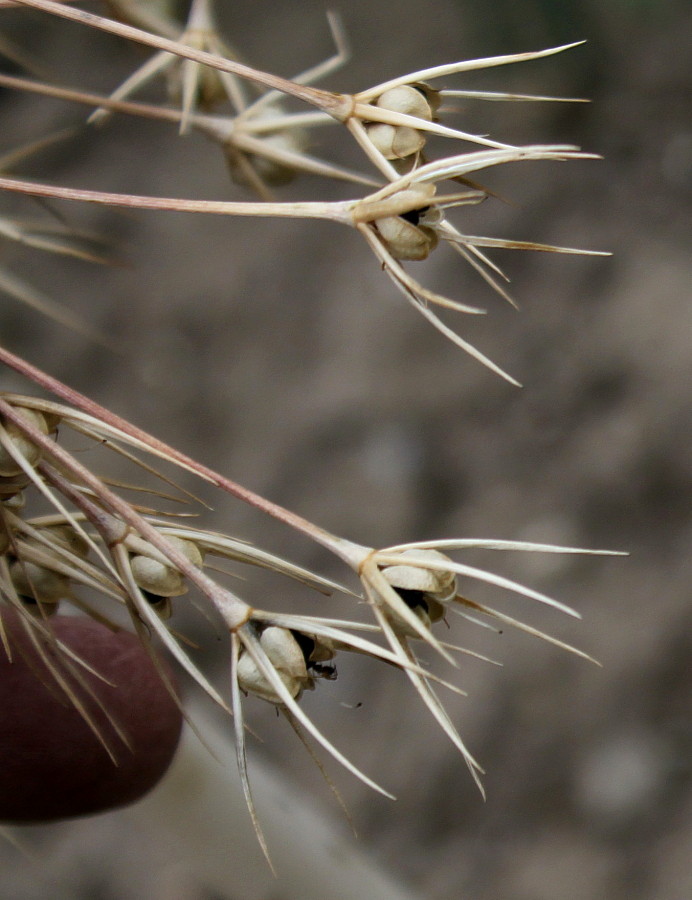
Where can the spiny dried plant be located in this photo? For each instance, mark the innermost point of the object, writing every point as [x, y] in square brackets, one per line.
[95, 542]
[403, 219]
[106, 555]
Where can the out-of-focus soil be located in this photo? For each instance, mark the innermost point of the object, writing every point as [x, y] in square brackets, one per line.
[279, 353]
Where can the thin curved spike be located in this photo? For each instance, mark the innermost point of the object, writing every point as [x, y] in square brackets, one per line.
[300, 734]
[499, 95]
[153, 66]
[241, 754]
[465, 346]
[493, 544]
[465, 66]
[405, 282]
[479, 575]
[269, 672]
[400, 646]
[505, 244]
[378, 114]
[381, 593]
[521, 626]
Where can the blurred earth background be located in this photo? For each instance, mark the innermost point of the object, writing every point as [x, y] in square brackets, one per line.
[279, 354]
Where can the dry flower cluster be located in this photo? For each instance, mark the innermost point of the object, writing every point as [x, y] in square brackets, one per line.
[95, 543]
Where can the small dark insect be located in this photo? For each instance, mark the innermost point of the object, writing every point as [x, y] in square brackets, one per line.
[317, 667]
[323, 670]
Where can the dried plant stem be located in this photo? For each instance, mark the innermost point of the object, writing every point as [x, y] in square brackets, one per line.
[470, 65]
[339, 106]
[349, 552]
[130, 107]
[114, 532]
[335, 211]
[241, 132]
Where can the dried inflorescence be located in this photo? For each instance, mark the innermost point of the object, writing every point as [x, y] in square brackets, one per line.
[297, 657]
[424, 591]
[267, 144]
[95, 542]
[110, 558]
[400, 142]
[264, 145]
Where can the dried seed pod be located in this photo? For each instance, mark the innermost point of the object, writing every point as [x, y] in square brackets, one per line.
[420, 606]
[439, 584]
[410, 232]
[317, 653]
[15, 501]
[163, 579]
[406, 240]
[39, 585]
[189, 549]
[161, 605]
[398, 142]
[432, 96]
[252, 681]
[424, 591]
[31, 453]
[286, 656]
[11, 485]
[406, 99]
[315, 649]
[284, 651]
[52, 420]
[157, 577]
[395, 141]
